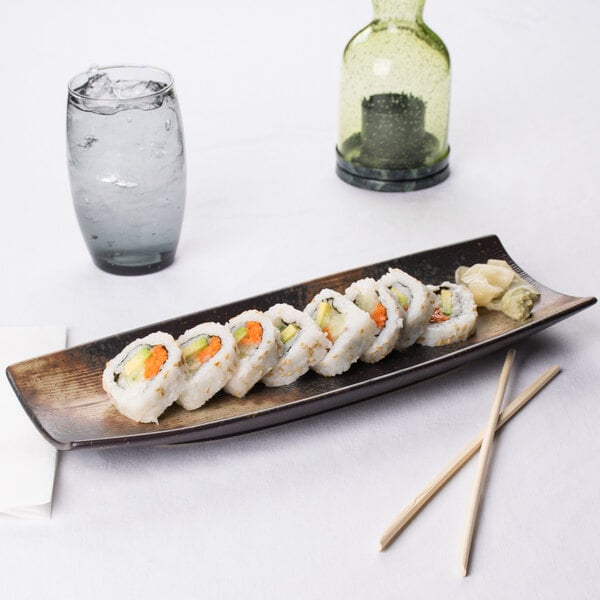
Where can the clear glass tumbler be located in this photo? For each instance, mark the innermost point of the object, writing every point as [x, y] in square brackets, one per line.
[127, 166]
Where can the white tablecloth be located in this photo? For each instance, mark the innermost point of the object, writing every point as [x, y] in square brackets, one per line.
[297, 511]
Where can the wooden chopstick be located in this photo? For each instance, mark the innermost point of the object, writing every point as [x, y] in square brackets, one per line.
[415, 506]
[482, 463]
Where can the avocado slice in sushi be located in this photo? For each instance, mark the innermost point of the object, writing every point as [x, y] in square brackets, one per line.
[446, 301]
[330, 320]
[288, 333]
[189, 350]
[134, 368]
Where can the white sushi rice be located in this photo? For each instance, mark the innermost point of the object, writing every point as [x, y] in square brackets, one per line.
[305, 349]
[204, 380]
[356, 336]
[145, 400]
[461, 323]
[421, 304]
[366, 294]
[255, 365]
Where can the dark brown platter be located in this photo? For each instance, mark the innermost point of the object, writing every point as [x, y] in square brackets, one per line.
[62, 392]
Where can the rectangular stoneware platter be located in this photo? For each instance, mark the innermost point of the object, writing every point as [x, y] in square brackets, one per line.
[62, 392]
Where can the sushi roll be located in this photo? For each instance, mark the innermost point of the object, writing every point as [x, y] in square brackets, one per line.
[210, 358]
[387, 314]
[417, 301]
[260, 347]
[454, 317]
[304, 344]
[145, 378]
[349, 329]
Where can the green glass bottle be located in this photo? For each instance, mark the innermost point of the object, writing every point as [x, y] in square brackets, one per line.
[394, 102]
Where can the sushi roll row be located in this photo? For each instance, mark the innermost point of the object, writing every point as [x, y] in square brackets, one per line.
[371, 319]
[155, 371]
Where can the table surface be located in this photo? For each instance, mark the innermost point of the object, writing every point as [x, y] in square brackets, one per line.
[296, 511]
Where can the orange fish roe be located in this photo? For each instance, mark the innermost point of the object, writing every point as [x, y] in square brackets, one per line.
[254, 335]
[209, 351]
[379, 315]
[153, 364]
[438, 316]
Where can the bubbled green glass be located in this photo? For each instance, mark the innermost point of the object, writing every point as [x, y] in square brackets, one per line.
[394, 102]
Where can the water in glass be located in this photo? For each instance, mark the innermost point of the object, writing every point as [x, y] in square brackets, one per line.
[127, 168]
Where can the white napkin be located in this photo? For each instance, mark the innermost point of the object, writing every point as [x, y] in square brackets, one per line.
[27, 460]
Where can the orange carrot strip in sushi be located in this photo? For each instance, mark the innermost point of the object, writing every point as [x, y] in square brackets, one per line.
[207, 353]
[254, 335]
[379, 315]
[327, 332]
[157, 358]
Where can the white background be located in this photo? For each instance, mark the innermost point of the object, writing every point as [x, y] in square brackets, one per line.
[297, 511]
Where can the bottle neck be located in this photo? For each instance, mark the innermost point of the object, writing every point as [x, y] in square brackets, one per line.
[398, 10]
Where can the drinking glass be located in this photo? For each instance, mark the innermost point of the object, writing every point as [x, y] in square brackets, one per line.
[127, 166]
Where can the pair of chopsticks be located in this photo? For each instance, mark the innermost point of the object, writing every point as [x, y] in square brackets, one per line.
[484, 441]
